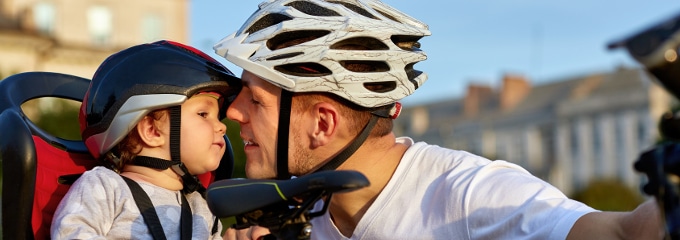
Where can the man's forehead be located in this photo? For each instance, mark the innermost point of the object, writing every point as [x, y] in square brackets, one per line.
[251, 80]
[256, 84]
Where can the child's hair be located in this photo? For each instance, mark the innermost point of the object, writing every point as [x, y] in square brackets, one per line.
[130, 146]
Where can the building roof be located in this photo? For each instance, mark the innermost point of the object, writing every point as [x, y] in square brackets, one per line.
[541, 103]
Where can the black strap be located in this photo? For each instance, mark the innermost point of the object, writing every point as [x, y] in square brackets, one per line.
[175, 123]
[151, 217]
[282, 135]
[190, 182]
[342, 156]
[215, 224]
[186, 220]
[146, 208]
[152, 162]
[351, 148]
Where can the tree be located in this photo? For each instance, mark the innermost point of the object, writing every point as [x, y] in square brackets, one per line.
[609, 195]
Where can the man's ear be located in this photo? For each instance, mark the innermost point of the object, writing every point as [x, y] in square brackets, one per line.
[149, 133]
[326, 123]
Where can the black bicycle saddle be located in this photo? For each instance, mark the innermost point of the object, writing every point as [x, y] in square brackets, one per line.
[231, 197]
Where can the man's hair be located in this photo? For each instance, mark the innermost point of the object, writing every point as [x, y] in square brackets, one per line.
[358, 116]
[130, 146]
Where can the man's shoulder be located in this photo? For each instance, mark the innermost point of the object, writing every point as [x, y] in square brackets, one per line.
[432, 151]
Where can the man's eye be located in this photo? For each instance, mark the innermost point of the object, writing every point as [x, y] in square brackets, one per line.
[253, 101]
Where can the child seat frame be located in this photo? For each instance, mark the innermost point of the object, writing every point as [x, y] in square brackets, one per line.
[38, 167]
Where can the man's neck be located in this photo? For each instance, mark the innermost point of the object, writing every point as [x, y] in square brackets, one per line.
[377, 159]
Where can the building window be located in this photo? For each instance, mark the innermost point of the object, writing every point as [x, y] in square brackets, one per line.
[100, 24]
[44, 17]
[152, 28]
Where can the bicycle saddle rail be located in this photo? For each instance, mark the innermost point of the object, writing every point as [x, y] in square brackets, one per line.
[231, 197]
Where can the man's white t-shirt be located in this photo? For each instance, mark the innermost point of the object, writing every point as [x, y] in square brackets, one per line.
[439, 193]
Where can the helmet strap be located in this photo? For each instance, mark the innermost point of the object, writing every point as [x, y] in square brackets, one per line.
[112, 162]
[342, 156]
[152, 162]
[338, 159]
[190, 182]
[282, 135]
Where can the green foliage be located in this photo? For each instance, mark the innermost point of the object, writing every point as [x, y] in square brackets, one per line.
[233, 130]
[62, 122]
[609, 195]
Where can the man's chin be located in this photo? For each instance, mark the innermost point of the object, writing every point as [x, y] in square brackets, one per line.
[259, 174]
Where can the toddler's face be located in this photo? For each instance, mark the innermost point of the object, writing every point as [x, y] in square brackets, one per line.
[202, 134]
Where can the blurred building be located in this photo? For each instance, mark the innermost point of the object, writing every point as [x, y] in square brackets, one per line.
[567, 132]
[75, 36]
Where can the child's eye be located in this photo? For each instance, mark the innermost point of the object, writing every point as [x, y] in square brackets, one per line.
[203, 114]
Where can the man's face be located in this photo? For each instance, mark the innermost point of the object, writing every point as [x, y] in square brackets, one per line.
[256, 109]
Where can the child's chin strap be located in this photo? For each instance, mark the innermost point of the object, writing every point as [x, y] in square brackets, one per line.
[190, 182]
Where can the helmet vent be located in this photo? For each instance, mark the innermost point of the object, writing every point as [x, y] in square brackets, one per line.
[408, 43]
[365, 66]
[304, 69]
[267, 21]
[381, 87]
[412, 74]
[355, 8]
[283, 56]
[312, 9]
[360, 43]
[288, 39]
[387, 16]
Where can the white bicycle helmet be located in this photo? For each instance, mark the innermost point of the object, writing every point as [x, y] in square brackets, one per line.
[388, 41]
[360, 50]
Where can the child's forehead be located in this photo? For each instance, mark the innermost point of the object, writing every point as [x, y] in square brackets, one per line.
[214, 95]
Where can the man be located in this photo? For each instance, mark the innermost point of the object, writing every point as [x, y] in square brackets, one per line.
[321, 85]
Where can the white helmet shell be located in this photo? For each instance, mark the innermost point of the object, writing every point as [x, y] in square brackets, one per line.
[387, 39]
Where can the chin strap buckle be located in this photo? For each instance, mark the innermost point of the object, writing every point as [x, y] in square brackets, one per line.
[190, 182]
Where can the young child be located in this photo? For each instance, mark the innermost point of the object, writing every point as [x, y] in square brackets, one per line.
[152, 113]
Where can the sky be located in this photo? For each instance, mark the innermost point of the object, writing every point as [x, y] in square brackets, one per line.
[479, 41]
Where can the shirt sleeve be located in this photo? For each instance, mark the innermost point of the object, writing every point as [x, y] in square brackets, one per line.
[504, 201]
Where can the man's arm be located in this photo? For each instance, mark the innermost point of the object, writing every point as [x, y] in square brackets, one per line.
[642, 223]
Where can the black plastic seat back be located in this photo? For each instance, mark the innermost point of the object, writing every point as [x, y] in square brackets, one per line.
[29, 198]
